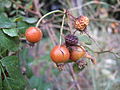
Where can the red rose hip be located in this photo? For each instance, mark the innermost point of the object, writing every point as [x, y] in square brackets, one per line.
[33, 34]
[59, 54]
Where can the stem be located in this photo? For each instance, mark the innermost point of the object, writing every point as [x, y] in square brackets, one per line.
[109, 85]
[55, 11]
[69, 14]
[37, 7]
[93, 74]
[22, 7]
[61, 29]
[90, 57]
[74, 77]
[91, 2]
[93, 40]
[74, 32]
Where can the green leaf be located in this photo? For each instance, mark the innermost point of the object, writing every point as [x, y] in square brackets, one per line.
[40, 83]
[85, 39]
[29, 4]
[28, 72]
[11, 32]
[76, 68]
[7, 3]
[20, 18]
[22, 26]
[55, 72]
[3, 51]
[89, 49]
[9, 42]
[24, 57]
[15, 80]
[30, 20]
[5, 22]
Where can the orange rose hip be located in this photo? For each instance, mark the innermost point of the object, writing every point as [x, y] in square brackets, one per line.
[76, 53]
[33, 34]
[59, 54]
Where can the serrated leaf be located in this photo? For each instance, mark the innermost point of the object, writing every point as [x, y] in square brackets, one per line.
[8, 42]
[5, 22]
[11, 32]
[85, 39]
[15, 81]
[30, 20]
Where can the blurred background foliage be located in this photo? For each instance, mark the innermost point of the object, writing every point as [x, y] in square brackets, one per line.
[25, 68]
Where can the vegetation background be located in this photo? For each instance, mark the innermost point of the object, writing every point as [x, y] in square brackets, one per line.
[26, 68]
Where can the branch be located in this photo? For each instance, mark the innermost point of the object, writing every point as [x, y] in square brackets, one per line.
[104, 20]
[37, 6]
[22, 7]
[74, 77]
[91, 2]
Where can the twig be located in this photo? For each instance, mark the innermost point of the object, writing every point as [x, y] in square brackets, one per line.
[54, 26]
[55, 11]
[89, 3]
[37, 7]
[69, 23]
[69, 14]
[22, 7]
[55, 39]
[57, 26]
[61, 29]
[104, 20]
[109, 51]
[51, 34]
[74, 77]
[105, 51]
[70, 88]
